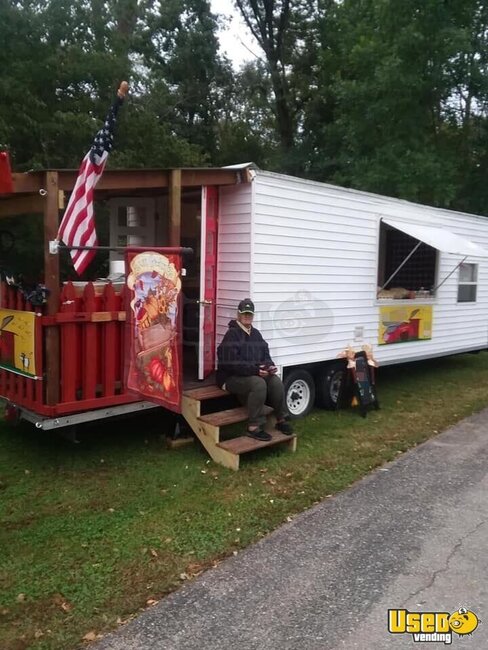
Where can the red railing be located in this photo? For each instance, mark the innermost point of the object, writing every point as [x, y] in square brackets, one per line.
[90, 326]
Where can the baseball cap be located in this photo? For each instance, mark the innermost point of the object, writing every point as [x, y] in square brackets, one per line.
[246, 306]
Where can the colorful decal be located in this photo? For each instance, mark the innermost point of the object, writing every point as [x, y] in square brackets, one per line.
[399, 324]
[154, 347]
[17, 341]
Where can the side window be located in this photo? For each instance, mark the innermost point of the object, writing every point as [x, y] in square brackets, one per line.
[467, 283]
[401, 274]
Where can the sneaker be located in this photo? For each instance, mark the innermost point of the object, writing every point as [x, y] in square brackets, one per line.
[285, 427]
[259, 434]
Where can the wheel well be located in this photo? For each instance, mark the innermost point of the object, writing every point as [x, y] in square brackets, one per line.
[315, 369]
[322, 374]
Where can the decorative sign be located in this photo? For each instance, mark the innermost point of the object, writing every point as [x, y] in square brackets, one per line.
[358, 386]
[154, 283]
[363, 376]
[17, 341]
[402, 323]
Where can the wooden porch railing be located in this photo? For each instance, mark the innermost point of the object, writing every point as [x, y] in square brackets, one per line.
[91, 352]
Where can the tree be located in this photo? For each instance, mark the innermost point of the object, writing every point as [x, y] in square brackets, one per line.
[284, 29]
[466, 112]
[403, 72]
[61, 63]
[247, 126]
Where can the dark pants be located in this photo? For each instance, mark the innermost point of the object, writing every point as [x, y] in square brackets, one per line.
[254, 392]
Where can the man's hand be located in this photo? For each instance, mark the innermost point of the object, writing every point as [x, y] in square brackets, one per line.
[263, 371]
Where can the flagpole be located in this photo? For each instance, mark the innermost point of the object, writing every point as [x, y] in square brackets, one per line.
[171, 250]
[78, 222]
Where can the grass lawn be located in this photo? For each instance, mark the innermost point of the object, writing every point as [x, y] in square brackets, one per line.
[91, 533]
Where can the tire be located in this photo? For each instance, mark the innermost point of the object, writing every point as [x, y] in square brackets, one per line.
[299, 393]
[328, 385]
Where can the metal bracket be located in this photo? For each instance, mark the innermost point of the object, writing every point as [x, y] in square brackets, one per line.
[54, 247]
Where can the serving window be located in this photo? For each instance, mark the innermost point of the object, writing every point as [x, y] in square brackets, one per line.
[407, 267]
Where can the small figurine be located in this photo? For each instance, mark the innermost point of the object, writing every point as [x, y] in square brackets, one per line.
[368, 349]
[359, 385]
[350, 355]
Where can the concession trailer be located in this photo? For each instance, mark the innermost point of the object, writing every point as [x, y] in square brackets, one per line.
[327, 267]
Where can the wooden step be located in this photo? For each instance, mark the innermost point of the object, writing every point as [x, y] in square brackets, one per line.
[244, 444]
[205, 392]
[207, 428]
[230, 416]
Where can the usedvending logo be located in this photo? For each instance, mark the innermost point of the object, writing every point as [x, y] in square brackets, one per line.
[432, 626]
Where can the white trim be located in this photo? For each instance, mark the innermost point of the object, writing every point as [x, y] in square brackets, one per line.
[374, 292]
[247, 165]
[467, 283]
[252, 243]
[201, 306]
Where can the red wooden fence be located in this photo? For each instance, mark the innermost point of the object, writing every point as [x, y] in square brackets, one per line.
[91, 329]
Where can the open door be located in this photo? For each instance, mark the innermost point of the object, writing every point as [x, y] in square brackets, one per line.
[208, 281]
[154, 327]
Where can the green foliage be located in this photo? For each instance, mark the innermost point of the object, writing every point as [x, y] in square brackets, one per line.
[61, 63]
[247, 125]
[374, 94]
[26, 256]
[405, 93]
[91, 532]
[286, 31]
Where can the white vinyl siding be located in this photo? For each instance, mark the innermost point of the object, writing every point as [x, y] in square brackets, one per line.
[234, 252]
[313, 272]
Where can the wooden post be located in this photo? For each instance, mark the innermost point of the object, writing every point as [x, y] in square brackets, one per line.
[51, 279]
[174, 206]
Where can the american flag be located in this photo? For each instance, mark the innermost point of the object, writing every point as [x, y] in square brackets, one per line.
[78, 224]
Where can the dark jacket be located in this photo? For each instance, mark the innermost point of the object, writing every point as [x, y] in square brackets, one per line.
[240, 353]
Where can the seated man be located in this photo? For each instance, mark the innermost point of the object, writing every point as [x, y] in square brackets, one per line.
[246, 370]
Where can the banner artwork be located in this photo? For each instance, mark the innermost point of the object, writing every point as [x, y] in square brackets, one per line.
[154, 331]
[17, 341]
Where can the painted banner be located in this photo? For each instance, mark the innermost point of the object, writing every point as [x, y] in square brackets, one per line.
[154, 328]
[17, 341]
[402, 323]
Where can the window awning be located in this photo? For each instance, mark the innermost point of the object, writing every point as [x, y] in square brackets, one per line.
[443, 240]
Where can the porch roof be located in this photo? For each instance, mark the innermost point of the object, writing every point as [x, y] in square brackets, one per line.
[28, 187]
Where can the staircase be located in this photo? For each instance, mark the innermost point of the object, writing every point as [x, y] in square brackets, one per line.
[208, 427]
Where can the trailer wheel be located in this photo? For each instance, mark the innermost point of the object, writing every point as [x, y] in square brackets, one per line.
[328, 385]
[299, 393]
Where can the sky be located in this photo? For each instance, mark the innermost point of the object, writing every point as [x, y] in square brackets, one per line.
[235, 38]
